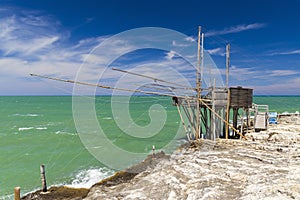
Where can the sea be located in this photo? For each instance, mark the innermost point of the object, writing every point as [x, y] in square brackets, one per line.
[37, 130]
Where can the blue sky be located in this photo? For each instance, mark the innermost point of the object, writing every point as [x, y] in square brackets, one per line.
[55, 37]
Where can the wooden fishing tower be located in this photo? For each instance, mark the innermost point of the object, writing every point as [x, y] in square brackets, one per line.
[206, 114]
[209, 114]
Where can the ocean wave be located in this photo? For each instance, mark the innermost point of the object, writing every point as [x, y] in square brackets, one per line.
[25, 128]
[87, 178]
[7, 197]
[27, 115]
[65, 133]
[30, 128]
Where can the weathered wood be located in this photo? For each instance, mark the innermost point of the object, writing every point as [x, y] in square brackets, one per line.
[43, 176]
[227, 63]
[17, 193]
[153, 78]
[198, 85]
[234, 129]
[241, 97]
[181, 118]
[227, 114]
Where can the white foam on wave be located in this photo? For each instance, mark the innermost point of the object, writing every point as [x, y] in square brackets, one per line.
[64, 133]
[87, 178]
[7, 197]
[25, 128]
[27, 115]
[30, 128]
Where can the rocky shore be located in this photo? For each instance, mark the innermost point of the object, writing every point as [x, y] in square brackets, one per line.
[266, 166]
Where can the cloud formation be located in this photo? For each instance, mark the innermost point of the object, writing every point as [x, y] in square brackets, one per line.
[32, 42]
[286, 53]
[217, 51]
[236, 29]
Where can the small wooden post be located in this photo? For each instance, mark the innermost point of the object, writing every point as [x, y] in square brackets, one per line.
[153, 150]
[44, 185]
[17, 193]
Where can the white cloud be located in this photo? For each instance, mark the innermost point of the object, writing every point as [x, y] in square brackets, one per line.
[286, 52]
[242, 73]
[176, 44]
[35, 43]
[27, 34]
[190, 39]
[259, 73]
[216, 51]
[284, 87]
[236, 29]
[170, 55]
[282, 73]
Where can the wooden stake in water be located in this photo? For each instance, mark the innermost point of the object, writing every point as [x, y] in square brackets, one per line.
[153, 150]
[44, 185]
[17, 193]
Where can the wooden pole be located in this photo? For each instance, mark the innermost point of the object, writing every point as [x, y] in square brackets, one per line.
[44, 185]
[190, 119]
[198, 80]
[214, 109]
[109, 87]
[227, 63]
[17, 193]
[202, 56]
[227, 113]
[181, 118]
[200, 84]
[153, 78]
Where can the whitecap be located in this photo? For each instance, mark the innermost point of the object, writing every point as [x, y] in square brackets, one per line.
[32, 115]
[41, 128]
[64, 133]
[25, 128]
[27, 115]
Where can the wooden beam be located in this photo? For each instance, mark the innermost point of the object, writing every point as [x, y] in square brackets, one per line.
[234, 129]
[153, 78]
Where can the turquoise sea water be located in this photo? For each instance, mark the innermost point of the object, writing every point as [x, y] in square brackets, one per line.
[37, 130]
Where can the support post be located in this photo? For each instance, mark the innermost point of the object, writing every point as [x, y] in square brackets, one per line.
[235, 117]
[17, 193]
[227, 113]
[227, 63]
[213, 119]
[198, 85]
[234, 129]
[43, 176]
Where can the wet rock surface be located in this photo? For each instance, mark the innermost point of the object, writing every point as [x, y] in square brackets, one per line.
[62, 193]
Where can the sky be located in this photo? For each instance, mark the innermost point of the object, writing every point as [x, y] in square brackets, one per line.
[78, 39]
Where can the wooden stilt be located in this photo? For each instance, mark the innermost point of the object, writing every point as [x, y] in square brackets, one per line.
[181, 118]
[216, 114]
[227, 113]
